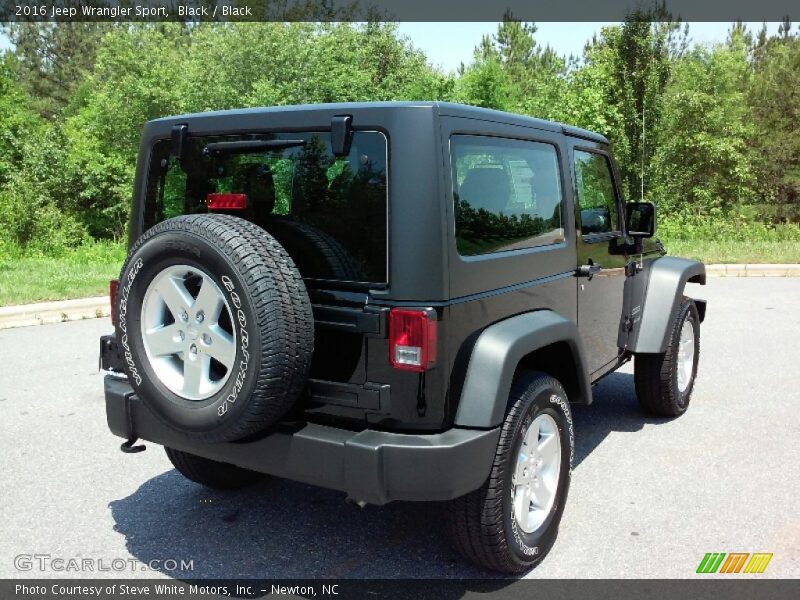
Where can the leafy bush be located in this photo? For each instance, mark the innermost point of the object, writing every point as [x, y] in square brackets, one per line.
[724, 228]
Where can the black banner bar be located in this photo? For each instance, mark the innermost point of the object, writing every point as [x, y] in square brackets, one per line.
[701, 588]
[399, 10]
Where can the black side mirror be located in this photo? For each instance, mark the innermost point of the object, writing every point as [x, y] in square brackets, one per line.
[640, 219]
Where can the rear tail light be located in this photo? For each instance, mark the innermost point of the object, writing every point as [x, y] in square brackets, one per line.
[412, 339]
[226, 201]
[113, 285]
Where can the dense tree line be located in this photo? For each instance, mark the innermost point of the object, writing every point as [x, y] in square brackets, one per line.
[710, 133]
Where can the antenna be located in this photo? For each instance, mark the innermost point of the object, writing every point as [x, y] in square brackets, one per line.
[643, 133]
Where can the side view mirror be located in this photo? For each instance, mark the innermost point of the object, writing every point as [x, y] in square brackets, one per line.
[640, 219]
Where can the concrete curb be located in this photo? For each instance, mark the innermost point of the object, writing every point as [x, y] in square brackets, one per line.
[754, 270]
[90, 308]
[54, 312]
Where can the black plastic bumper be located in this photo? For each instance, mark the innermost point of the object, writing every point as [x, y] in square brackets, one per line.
[370, 466]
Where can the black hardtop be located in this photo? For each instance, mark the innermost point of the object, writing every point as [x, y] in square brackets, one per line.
[420, 257]
[447, 109]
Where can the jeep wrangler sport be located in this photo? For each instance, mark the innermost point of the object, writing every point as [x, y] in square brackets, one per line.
[394, 300]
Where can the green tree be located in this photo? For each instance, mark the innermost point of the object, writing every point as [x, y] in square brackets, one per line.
[643, 49]
[513, 72]
[774, 97]
[18, 123]
[485, 84]
[590, 101]
[702, 164]
[54, 59]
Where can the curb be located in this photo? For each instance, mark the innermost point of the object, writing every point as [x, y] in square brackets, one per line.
[54, 312]
[754, 270]
[98, 306]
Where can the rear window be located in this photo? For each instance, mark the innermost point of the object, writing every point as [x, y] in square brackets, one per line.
[328, 212]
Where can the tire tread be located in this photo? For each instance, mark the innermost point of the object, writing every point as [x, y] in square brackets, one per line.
[654, 373]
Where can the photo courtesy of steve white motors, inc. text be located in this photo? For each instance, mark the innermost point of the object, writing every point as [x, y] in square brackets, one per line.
[136, 11]
[172, 589]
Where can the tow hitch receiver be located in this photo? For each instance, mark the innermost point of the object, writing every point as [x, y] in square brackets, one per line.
[128, 446]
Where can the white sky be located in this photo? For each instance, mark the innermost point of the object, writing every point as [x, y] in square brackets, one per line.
[449, 44]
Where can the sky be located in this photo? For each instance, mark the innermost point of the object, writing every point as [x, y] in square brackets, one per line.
[447, 45]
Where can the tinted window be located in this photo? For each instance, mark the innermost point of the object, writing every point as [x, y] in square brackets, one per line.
[507, 194]
[596, 196]
[328, 212]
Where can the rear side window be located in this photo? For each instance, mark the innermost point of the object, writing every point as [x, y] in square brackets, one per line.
[596, 196]
[507, 194]
[328, 212]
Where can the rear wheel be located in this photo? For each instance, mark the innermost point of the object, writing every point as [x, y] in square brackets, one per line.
[510, 523]
[664, 382]
[210, 473]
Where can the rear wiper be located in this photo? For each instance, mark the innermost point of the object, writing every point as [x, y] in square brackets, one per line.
[250, 145]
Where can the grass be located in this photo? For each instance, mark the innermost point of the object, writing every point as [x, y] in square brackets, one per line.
[730, 252]
[79, 273]
[86, 270]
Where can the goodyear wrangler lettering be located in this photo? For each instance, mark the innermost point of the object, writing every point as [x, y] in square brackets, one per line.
[123, 321]
[244, 343]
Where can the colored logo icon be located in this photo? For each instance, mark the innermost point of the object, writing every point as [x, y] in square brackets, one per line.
[734, 562]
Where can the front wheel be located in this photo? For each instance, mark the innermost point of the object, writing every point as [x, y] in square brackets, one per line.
[664, 382]
[510, 523]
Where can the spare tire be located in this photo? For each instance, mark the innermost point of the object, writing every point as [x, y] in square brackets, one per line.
[215, 326]
[318, 254]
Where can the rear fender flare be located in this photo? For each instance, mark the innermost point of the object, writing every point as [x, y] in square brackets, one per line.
[496, 355]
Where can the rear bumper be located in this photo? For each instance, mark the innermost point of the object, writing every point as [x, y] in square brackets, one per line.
[370, 466]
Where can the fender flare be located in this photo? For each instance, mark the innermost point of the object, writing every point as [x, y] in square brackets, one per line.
[496, 355]
[666, 279]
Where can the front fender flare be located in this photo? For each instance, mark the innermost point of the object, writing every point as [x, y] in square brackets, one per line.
[494, 359]
[667, 277]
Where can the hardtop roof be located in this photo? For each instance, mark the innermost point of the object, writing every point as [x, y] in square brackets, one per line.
[444, 108]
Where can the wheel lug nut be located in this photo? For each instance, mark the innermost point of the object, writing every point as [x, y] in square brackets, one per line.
[193, 349]
[179, 336]
[184, 316]
[200, 316]
[206, 339]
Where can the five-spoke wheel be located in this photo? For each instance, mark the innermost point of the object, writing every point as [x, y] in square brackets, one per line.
[187, 332]
[536, 474]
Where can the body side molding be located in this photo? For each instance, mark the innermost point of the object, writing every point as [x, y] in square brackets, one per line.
[494, 359]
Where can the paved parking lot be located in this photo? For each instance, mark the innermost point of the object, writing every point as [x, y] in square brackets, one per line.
[649, 497]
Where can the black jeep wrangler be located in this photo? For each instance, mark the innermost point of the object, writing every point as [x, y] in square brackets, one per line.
[394, 300]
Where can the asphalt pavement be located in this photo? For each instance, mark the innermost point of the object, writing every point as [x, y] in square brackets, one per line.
[649, 497]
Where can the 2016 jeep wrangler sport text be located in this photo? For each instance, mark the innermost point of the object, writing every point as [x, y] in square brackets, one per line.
[395, 300]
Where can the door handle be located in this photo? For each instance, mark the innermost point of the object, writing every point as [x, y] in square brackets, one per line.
[589, 270]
